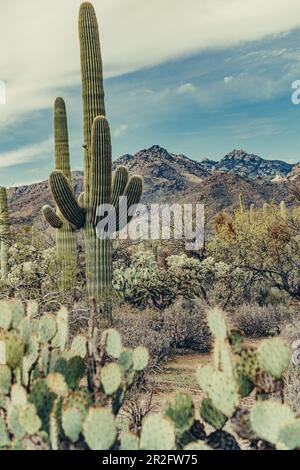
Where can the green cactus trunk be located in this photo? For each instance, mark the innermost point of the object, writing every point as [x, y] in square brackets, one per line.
[4, 233]
[66, 245]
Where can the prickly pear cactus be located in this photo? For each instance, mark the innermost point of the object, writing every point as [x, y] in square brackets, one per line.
[52, 396]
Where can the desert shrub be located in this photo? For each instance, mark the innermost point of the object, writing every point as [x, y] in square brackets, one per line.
[292, 387]
[291, 331]
[144, 282]
[263, 245]
[144, 327]
[257, 321]
[185, 323]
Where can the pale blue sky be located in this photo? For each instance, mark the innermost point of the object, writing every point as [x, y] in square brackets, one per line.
[202, 97]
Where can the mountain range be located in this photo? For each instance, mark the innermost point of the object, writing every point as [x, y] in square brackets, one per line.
[169, 177]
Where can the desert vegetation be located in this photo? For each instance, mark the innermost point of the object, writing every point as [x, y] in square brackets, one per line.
[88, 324]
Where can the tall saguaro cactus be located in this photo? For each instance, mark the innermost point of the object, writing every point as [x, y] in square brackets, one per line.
[4, 232]
[65, 237]
[99, 188]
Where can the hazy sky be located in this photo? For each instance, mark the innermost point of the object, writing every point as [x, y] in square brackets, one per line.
[198, 77]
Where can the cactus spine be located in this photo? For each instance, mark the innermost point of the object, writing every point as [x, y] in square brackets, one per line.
[98, 187]
[4, 232]
[65, 236]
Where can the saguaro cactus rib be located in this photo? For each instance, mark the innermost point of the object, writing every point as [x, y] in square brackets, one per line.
[133, 192]
[4, 232]
[61, 138]
[65, 199]
[120, 180]
[51, 217]
[101, 166]
[92, 81]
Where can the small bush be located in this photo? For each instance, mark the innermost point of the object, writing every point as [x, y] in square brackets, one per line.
[292, 388]
[185, 323]
[291, 331]
[256, 321]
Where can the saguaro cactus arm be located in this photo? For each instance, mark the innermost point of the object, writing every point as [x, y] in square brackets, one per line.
[51, 217]
[133, 192]
[81, 200]
[120, 180]
[65, 199]
[101, 163]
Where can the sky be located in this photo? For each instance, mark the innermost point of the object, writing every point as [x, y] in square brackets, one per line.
[197, 77]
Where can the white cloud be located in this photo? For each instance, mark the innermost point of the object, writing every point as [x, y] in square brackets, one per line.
[25, 154]
[120, 131]
[228, 79]
[186, 88]
[39, 45]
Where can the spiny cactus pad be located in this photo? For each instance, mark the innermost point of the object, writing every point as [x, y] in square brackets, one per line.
[5, 379]
[158, 433]
[111, 378]
[181, 412]
[79, 346]
[274, 356]
[99, 429]
[57, 384]
[29, 419]
[217, 324]
[140, 358]
[211, 415]
[289, 436]
[267, 418]
[47, 328]
[111, 339]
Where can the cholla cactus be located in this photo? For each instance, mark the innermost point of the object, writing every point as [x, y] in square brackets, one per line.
[66, 249]
[99, 190]
[4, 233]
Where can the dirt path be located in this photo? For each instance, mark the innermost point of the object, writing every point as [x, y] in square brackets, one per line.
[179, 374]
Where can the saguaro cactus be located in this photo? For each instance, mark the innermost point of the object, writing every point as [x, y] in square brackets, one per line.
[65, 236]
[4, 232]
[99, 189]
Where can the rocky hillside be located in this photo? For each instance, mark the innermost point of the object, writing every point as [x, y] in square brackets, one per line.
[249, 165]
[170, 177]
